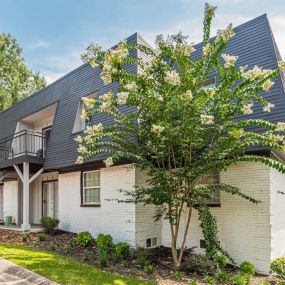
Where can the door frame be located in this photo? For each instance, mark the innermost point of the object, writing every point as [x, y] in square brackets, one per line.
[43, 182]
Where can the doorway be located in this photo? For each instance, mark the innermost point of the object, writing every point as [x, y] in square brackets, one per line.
[50, 199]
[46, 136]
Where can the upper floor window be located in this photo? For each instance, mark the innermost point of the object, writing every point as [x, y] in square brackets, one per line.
[91, 187]
[80, 124]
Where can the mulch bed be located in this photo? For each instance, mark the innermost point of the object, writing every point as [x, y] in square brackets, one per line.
[160, 257]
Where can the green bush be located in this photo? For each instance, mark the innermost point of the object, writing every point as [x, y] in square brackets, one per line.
[240, 279]
[265, 282]
[150, 268]
[199, 264]
[42, 237]
[179, 275]
[247, 267]
[103, 257]
[104, 242]
[222, 276]
[87, 255]
[25, 237]
[221, 262]
[142, 259]
[122, 250]
[210, 279]
[278, 267]
[83, 239]
[68, 247]
[49, 224]
[53, 247]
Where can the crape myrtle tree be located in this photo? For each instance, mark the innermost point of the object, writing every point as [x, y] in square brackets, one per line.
[182, 129]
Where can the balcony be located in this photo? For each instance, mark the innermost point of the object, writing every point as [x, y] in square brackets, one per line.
[26, 145]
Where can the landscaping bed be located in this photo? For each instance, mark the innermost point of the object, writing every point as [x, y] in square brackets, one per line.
[152, 264]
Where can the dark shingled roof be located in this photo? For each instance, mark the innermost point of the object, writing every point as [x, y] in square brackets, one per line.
[253, 44]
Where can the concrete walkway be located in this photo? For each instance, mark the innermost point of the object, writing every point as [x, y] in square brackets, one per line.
[12, 274]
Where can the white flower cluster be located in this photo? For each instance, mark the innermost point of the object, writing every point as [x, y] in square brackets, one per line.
[247, 109]
[88, 102]
[189, 95]
[268, 107]
[132, 87]
[91, 54]
[107, 101]
[172, 78]
[266, 86]
[186, 49]
[111, 58]
[122, 98]
[206, 48]
[281, 64]
[280, 127]
[237, 133]
[84, 115]
[157, 129]
[207, 119]
[82, 149]
[79, 160]
[230, 60]
[109, 162]
[226, 34]
[256, 73]
[79, 139]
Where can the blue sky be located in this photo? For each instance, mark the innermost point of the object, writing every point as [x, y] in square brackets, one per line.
[54, 33]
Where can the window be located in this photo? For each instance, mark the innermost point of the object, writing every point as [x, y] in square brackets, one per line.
[212, 177]
[209, 83]
[91, 188]
[79, 124]
[151, 242]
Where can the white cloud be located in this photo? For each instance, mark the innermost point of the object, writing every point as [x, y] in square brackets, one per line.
[278, 28]
[40, 44]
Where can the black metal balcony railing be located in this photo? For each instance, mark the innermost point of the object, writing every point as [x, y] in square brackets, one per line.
[25, 142]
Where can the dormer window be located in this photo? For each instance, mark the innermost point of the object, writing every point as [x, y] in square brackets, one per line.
[80, 123]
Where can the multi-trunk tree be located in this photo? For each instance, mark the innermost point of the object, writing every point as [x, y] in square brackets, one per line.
[17, 81]
[182, 129]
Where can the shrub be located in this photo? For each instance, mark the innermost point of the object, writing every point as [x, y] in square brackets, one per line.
[265, 282]
[222, 276]
[122, 250]
[240, 279]
[53, 247]
[103, 257]
[210, 279]
[104, 242]
[84, 239]
[179, 275]
[49, 224]
[142, 259]
[221, 262]
[198, 263]
[193, 282]
[25, 237]
[42, 237]
[150, 268]
[278, 267]
[247, 267]
[68, 247]
[87, 255]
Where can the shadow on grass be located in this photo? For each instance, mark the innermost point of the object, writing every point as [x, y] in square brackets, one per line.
[61, 269]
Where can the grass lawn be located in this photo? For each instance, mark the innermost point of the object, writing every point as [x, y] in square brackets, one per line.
[62, 269]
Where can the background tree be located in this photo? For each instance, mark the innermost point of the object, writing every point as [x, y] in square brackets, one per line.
[17, 81]
[183, 129]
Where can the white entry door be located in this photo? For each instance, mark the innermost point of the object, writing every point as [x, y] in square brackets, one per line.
[1, 203]
[50, 199]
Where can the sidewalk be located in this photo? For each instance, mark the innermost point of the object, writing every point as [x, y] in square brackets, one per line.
[12, 274]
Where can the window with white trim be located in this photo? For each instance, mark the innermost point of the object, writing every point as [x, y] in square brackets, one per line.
[91, 187]
[212, 177]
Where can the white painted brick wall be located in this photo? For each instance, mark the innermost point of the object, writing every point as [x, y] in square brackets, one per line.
[244, 228]
[145, 225]
[10, 195]
[277, 213]
[117, 219]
